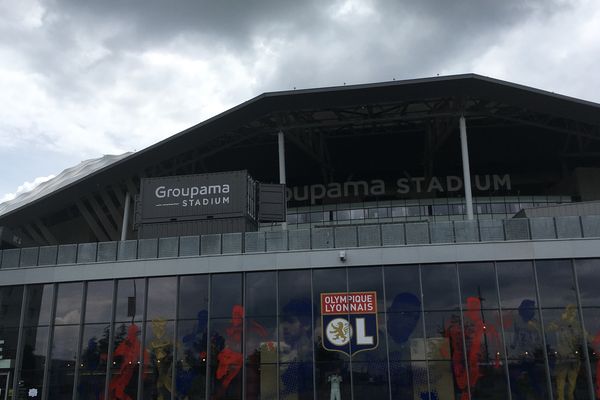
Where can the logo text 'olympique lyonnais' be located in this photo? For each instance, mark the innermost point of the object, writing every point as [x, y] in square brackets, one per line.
[349, 321]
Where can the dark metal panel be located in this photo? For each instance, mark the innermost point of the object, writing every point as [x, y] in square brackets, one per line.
[272, 202]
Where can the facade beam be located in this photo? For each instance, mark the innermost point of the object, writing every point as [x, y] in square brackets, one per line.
[466, 167]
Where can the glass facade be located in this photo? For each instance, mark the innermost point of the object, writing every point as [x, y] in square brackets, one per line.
[488, 330]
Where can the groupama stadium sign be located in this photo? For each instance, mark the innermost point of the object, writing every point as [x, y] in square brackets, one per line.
[402, 186]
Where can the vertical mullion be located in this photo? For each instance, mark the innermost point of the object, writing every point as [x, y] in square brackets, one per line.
[208, 340]
[350, 347]
[142, 360]
[584, 347]
[506, 370]
[312, 314]
[175, 343]
[79, 340]
[111, 340]
[20, 344]
[463, 329]
[277, 331]
[543, 334]
[50, 338]
[387, 342]
[424, 332]
[243, 338]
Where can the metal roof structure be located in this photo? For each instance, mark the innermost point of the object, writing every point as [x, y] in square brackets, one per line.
[331, 133]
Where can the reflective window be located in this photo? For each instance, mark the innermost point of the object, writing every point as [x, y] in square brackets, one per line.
[440, 287]
[162, 297]
[555, 280]
[295, 321]
[190, 375]
[261, 294]
[130, 300]
[367, 279]
[68, 303]
[261, 381]
[226, 358]
[11, 298]
[98, 303]
[332, 380]
[39, 304]
[589, 281]
[517, 284]
[222, 306]
[193, 296]
[159, 362]
[62, 359]
[126, 360]
[326, 281]
[370, 380]
[92, 366]
[478, 281]
[408, 380]
[296, 380]
[34, 357]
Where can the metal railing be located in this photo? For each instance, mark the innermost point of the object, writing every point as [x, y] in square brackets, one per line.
[394, 234]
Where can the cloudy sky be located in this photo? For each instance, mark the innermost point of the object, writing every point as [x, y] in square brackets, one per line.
[83, 78]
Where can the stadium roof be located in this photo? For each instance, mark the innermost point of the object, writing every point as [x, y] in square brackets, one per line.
[332, 112]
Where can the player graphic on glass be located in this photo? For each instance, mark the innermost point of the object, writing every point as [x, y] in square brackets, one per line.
[335, 380]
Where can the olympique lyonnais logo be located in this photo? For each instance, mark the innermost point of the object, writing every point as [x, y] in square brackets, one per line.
[349, 321]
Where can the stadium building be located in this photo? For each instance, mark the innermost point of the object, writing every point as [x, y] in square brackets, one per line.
[423, 239]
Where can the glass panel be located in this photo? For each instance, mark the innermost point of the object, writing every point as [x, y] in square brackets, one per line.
[370, 380]
[440, 287]
[162, 296]
[92, 366]
[193, 296]
[62, 367]
[402, 288]
[126, 359]
[35, 341]
[333, 380]
[588, 277]
[68, 303]
[261, 381]
[484, 353]
[226, 356]
[517, 284]
[591, 317]
[261, 340]
[478, 281]
[326, 281]
[522, 333]
[555, 279]
[296, 381]
[130, 300]
[405, 334]
[294, 293]
[222, 306]
[527, 379]
[445, 382]
[11, 299]
[98, 304]
[39, 304]
[367, 279]
[409, 380]
[261, 294]
[159, 350]
[191, 358]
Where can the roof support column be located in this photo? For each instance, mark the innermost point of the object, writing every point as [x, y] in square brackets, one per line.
[466, 168]
[281, 151]
[125, 216]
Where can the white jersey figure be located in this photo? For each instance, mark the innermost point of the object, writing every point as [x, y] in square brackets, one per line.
[335, 381]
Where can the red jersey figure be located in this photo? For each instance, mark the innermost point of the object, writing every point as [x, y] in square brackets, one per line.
[129, 351]
[475, 331]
